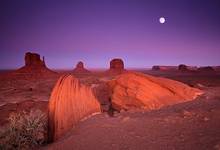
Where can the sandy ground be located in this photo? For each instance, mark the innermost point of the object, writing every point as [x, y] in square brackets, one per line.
[17, 89]
[192, 125]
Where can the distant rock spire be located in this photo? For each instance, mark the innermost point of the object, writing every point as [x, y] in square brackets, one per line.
[44, 61]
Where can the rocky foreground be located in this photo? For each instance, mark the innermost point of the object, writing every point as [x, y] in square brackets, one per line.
[193, 125]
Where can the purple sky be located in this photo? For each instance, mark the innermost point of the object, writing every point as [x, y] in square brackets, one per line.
[95, 31]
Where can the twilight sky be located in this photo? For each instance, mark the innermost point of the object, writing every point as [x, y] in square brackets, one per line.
[95, 31]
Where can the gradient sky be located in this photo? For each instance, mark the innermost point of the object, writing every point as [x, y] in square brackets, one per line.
[95, 31]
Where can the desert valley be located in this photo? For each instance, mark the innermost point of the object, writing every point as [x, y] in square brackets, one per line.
[165, 107]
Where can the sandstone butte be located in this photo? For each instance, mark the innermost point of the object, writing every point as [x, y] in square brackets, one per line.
[70, 102]
[136, 90]
[79, 69]
[34, 66]
[116, 67]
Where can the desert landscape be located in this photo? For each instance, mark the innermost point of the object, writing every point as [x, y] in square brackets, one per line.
[110, 75]
[117, 108]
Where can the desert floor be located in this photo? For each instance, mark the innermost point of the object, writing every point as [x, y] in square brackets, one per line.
[190, 125]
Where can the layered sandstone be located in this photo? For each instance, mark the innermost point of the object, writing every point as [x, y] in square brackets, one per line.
[70, 102]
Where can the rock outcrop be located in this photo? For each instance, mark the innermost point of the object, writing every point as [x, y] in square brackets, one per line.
[80, 69]
[116, 66]
[34, 66]
[136, 90]
[70, 102]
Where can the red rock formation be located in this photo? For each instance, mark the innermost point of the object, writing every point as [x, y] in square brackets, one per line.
[80, 69]
[116, 66]
[136, 90]
[34, 66]
[33, 59]
[70, 102]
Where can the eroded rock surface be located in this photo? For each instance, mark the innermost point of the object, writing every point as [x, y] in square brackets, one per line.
[136, 90]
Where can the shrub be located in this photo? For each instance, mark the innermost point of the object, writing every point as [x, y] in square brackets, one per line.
[25, 130]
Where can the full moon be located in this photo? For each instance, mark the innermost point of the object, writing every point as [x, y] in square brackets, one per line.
[162, 20]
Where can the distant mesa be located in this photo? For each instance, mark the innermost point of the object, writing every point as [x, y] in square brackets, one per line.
[157, 68]
[181, 67]
[34, 65]
[163, 68]
[79, 69]
[116, 66]
[70, 102]
[206, 69]
[136, 90]
[185, 68]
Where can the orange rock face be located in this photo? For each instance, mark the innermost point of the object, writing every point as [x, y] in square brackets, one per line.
[136, 90]
[70, 102]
